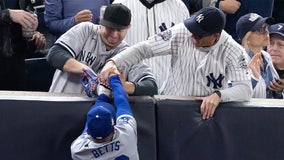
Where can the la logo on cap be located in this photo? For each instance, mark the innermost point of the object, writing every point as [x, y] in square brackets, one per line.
[199, 18]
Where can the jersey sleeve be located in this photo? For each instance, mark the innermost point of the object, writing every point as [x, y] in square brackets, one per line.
[127, 122]
[75, 38]
[120, 97]
[157, 45]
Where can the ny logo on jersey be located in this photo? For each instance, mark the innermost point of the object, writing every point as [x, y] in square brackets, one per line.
[163, 26]
[216, 82]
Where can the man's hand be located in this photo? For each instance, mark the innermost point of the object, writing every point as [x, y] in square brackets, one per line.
[209, 105]
[277, 86]
[83, 16]
[230, 6]
[25, 19]
[108, 69]
[40, 40]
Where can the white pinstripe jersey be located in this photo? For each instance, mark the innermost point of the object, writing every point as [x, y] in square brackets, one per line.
[84, 43]
[123, 145]
[148, 22]
[194, 71]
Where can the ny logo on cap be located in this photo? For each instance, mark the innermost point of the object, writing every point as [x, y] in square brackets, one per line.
[279, 27]
[199, 18]
[253, 17]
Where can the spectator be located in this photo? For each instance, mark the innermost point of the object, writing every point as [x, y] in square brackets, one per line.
[102, 138]
[16, 44]
[237, 8]
[62, 15]
[88, 45]
[204, 59]
[276, 50]
[151, 17]
[252, 29]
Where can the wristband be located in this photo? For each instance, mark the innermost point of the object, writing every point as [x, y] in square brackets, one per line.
[218, 93]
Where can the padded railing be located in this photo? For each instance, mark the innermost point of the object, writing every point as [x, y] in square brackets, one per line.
[41, 125]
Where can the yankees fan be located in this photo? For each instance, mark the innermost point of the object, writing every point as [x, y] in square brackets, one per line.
[101, 138]
[276, 50]
[252, 30]
[88, 45]
[150, 17]
[204, 59]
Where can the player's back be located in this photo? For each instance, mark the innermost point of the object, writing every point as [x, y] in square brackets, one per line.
[123, 145]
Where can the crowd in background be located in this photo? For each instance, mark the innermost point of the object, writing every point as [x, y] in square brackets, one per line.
[54, 18]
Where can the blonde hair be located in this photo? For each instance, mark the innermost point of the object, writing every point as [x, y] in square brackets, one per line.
[245, 41]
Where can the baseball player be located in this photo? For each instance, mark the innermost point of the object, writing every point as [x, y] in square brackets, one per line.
[88, 45]
[204, 59]
[102, 138]
[150, 17]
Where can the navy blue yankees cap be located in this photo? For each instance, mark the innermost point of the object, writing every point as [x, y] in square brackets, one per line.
[277, 29]
[251, 22]
[206, 21]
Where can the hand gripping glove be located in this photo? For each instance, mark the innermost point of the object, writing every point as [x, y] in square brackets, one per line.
[90, 82]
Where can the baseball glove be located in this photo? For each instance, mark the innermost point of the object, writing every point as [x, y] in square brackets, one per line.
[90, 82]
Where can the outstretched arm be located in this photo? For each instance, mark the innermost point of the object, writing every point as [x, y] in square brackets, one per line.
[120, 97]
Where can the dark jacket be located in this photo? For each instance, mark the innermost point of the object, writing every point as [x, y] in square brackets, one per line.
[11, 41]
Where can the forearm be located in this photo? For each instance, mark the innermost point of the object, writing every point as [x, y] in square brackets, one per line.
[74, 66]
[240, 91]
[145, 87]
[62, 59]
[120, 97]
[133, 55]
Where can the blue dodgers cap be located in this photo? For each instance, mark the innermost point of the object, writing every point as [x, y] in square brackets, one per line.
[101, 120]
[251, 22]
[206, 21]
[277, 29]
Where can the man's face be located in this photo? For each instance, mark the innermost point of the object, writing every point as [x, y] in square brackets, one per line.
[206, 41]
[276, 49]
[112, 37]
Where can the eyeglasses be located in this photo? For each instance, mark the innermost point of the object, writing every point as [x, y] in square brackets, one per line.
[263, 29]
